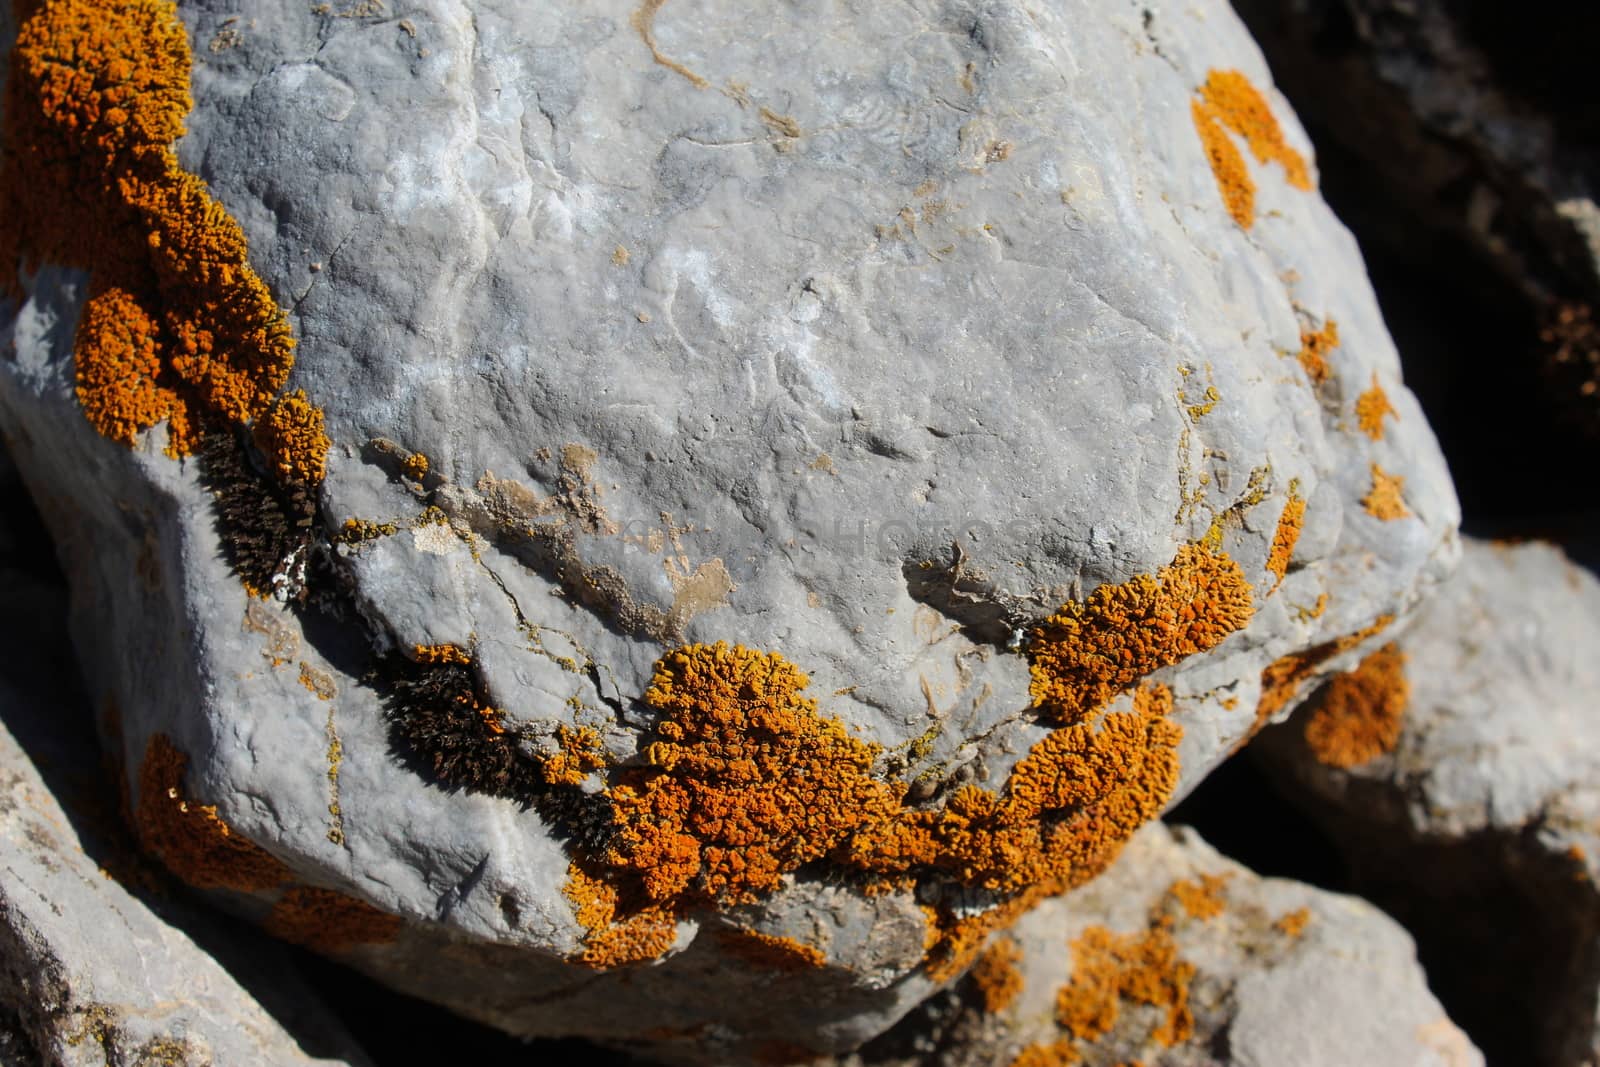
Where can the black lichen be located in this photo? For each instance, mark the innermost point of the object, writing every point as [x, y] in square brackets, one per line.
[265, 527]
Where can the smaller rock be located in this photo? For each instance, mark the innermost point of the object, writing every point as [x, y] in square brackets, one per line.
[91, 974]
[1179, 956]
[1456, 769]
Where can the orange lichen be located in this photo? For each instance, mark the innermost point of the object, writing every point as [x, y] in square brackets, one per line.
[579, 753]
[995, 976]
[1314, 348]
[1201, 898]
[1293, 923]
[1227, 165]
[771, 952]
[441, 654]
[616, 935]
[191, 839]
[415, 466]
[1090, 651]
[329, 921]
[1141, 968]
[178, 326]
[1385, 500]
[292, 437]
[1359, 713]
[1371, 407]
[1282, 679]
[747, 783]
[1285, 537]
[1228, 100]
[119, 367]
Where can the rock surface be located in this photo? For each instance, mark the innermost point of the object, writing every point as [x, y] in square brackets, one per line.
[1477, 821]
[632, 328]
[1178, 956]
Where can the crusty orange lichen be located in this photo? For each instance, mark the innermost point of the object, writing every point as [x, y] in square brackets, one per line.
[329, 921]
[98, 92]
[292, 437]
[1227, 100]
[616, 935]
[441, 654]
[1200, 898]
[995, 976]
[747, 783]
[1359, 713]
[579, 753]
[1385, 500]
[771, 952]
[1286, 536]
[1314, 348]
[1292, 924]
[1109, 969]
[415, 466]
[1281, 680]
[1227, 165]
[191, 839]
[1371, 406]
[1091, 650]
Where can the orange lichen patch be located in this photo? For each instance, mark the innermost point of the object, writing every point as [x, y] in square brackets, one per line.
[1282, 678]
[1201, 898]
[1110, 969]
[1285, 537]
[1314, 348]
[1293, 923]
[1371, 407]
[1240, 107]
[747, 783]
[1227, 165]
[1359, 713]
[1385, 501]
[771, 952]
[328, 921]
[1228, 101]
[178, 325]
[995, 975]
[119, 375]
[292, 437]
[1090, 651]
[415, 466]
[441, 654]
[192, 839]
[579, 753]
[617, 935]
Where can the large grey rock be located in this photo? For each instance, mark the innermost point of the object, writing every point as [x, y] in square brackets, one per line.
[869, 346]
[1177, 956]
[1480, 827]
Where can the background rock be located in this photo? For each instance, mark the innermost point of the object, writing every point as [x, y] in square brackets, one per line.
[1280, 973]
[704, 308]
[1480, 828]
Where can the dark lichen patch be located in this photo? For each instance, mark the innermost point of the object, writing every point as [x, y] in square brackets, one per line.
[265, 526]
[444, 727]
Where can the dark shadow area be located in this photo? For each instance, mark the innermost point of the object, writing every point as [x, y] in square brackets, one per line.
[1242, 815]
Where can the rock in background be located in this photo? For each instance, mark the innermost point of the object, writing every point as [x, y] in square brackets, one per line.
[1458, 773]
[1178, 956]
